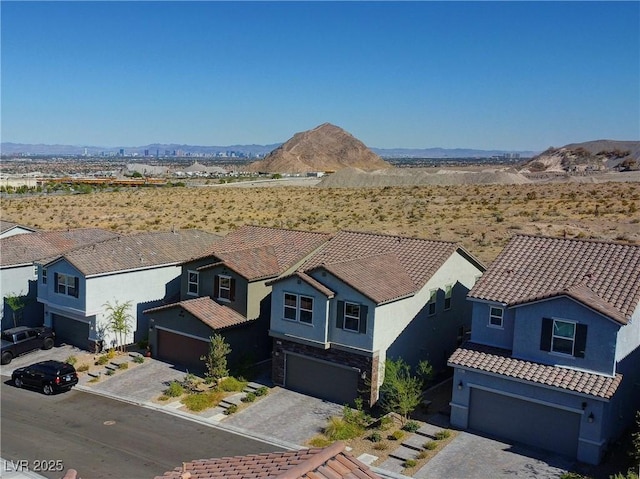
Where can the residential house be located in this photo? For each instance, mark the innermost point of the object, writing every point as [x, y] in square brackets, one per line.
[225, 291]
[554, 356]
[332, 462]
[143, 269]
[9, 228]
[18, 273]
[363, 298]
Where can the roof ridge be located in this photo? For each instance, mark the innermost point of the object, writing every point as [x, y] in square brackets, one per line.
[273, 228]
[314, 462]
[577, 240]
[356, 258]
[389, 235]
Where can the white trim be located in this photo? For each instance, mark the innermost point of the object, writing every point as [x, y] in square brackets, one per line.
[189, 282]
[584, 305]
[180, 333]
[351, 317]
[130, 270]
[525, 398]
[220, 278]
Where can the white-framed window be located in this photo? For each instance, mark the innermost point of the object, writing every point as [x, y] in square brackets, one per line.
[496, 315]
[563, 337]
[67, 284]
[298, 308]
[193, 280]
[351, 316]
[44, 275]
[35, 270]
[448, 292]
[433, 296]
[224, 287]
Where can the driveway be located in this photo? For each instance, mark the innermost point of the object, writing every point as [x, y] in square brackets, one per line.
[470, 456]
[286, 415]
[59, 353]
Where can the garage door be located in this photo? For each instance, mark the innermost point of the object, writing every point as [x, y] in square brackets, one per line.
[71, 331]
[524, 421]
[321, 379]
[182, 350]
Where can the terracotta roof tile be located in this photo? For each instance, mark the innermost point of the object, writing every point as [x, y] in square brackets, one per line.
[32, 247]
[8, 225]
[142, 250]
[368, 262]
[257, 252]
[215, 315]
[307, 279]
[328, 463]
[602, 275]
[499, 361]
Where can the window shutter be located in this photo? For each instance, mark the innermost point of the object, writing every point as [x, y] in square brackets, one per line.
[363, 318]
[55, 282]
[340, 315]
[545, 337]
[232, 289]
[216, 286]
[76, 284]
[581, 340]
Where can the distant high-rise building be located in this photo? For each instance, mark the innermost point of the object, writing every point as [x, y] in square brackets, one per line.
[146, 152]
[121, 152]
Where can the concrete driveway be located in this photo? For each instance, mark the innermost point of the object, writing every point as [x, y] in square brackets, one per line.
[470, 456]
[286, 415]
[59, 353]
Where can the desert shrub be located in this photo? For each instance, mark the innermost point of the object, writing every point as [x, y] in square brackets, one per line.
[174, 390]
[422, 454]
[397, 435]
[338, 429]
[430, 445]
[110, 372]
[201, 401]
[250, 397]
[410, 463]
[110, 354]
[138, 359]
[411, 426]
[385, 423]
[380, 446]
[262, 391]
[231, 409]
[375, 437]
[71, 360]
[123, 366]
[82, 368]
[231, 384]
[102, 360]
[440, 435]
[320, 441]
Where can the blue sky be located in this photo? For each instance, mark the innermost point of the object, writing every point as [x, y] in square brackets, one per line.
[507, 75]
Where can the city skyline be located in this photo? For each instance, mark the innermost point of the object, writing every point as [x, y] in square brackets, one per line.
[481, 75]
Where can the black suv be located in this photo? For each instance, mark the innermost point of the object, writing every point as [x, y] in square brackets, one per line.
[21, 340]
[48, 376]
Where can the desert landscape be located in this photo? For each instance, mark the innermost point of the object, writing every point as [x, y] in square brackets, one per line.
[480, 216]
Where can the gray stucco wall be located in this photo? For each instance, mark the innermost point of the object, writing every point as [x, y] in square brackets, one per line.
[485, 333]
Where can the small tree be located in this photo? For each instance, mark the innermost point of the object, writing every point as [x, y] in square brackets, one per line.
[400, 392]
[216, 359]
[17, 304]
[119, 321]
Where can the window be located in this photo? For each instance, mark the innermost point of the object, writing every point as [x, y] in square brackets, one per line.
[66, 284]
[192, 282]
[351, 317]
[495, 316]
[432, 302]
[563, 337]
[35, 270]
[224, 288]
[448, 291]
[298, 308]
[44, 275]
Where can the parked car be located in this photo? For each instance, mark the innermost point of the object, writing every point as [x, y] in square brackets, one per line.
[22, 339]
[48, 376]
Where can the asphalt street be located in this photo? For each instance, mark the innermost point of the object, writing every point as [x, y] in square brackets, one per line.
[105, 438]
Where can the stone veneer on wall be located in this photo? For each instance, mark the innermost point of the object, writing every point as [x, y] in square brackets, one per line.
[367, 390]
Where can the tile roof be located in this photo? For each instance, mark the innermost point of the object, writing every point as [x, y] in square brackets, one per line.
[328, 463]
[215, 315]
[257, 252]
[603, 275]
[8, 225]
[499, 361]
[142, 250]
[27, 248]
[383, 267]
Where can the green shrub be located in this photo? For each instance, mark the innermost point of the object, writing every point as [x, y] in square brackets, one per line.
[262, 391]
[231, 384]
[201, 401]
[174, 390]
[250, 397]
[385, 423]
[380, 446]
[138, 359]
[430, 445]
[411, 426]
[422, 454]
[375, 437]
[397, 435]
[320, 441]
[82, 368]
[71, 360]
[338, 429]
[231, 409]
[164, 397]
[102, 360]
[110, 372]
[440, 435]
[410, 463]
[123, 366]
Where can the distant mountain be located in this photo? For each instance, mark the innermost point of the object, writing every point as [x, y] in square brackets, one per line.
[588, 156]
[324, 148]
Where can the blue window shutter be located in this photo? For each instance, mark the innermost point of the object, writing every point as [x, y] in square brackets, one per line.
[545, 337]
[363, 318]
[581, 340]
[232, 289]
[76, 284]
[55, 282]
[340, 315]
[216, 286]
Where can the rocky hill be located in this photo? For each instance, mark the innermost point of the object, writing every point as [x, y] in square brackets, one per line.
[324, 148]
[599, 155]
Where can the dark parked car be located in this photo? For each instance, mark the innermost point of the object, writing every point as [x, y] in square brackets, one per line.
[21, 340]
[47, 376]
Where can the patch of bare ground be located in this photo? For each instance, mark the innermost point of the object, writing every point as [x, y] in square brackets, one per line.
[481, 217]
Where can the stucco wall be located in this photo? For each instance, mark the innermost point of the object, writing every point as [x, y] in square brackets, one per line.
[482, 331]
[629, 336]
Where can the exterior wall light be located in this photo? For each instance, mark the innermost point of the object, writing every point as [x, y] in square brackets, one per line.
[460, 385]
[590, 417]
